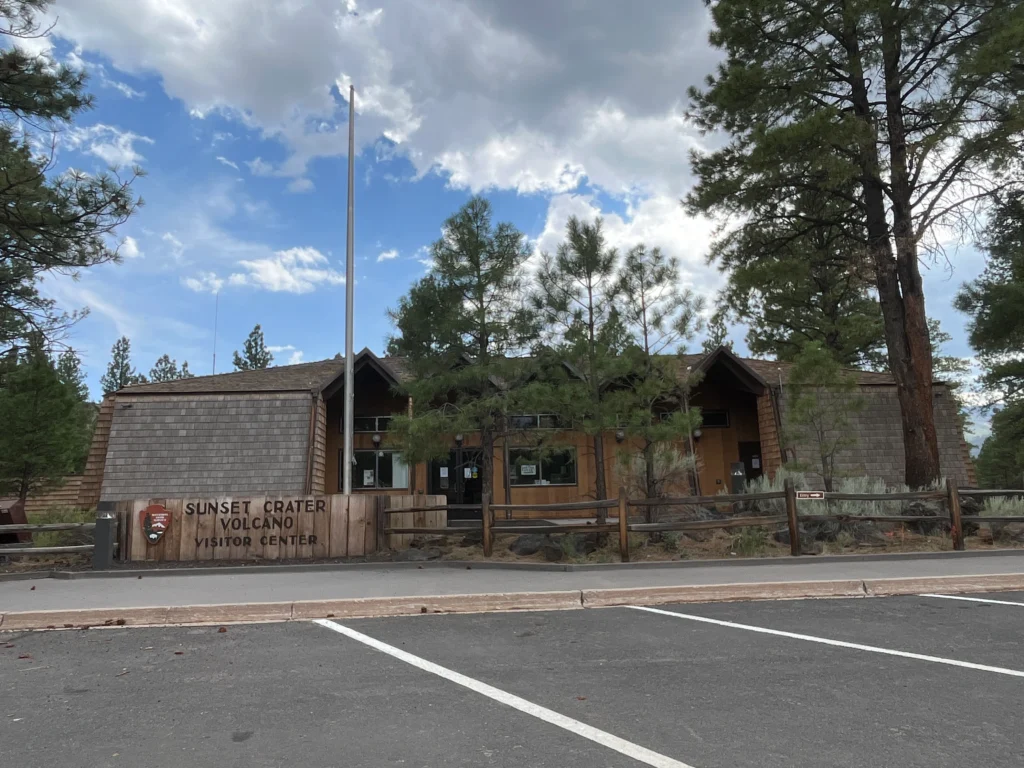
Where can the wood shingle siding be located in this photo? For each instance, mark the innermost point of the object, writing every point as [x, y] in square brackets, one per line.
[878, 451]
[771, 449]
[319, 466]
[207, 444]
[92, 479]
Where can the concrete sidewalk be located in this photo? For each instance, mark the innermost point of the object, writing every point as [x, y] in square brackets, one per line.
[269, 586]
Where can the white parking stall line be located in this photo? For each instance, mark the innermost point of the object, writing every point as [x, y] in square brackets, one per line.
[976, 600]
[835, 643]
[605, 739]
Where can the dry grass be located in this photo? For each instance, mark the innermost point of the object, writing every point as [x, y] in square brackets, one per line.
[55, 539]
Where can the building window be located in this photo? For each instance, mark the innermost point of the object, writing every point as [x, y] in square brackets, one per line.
[714, 418]
[535, 421]
[528, 466]
[368, 423]
[377, 469]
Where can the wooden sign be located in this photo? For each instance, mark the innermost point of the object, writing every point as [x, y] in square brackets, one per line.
[250, 528]
[810, 495]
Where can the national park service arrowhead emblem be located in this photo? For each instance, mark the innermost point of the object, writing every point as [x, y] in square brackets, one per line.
[155, 520]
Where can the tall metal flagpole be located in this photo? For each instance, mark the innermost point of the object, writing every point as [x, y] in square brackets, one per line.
[349, 290]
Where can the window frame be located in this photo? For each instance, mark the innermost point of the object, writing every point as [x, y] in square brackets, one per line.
[540, 467]
[536, 422]
[376, 470]
[376, 422]
[725, 411]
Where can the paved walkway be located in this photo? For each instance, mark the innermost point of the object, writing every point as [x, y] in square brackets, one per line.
[268, 585]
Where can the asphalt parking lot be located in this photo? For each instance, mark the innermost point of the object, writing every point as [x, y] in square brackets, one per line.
[904, 681]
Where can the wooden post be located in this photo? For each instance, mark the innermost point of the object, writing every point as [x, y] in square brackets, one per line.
[956, 527]
[485, 514]
[794, 525]
[623, 525]
[383, 503]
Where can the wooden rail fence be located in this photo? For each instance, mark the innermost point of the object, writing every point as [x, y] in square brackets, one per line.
[581, 512]
[105, 526]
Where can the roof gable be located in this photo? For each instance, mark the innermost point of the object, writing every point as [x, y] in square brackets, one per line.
[316, 377]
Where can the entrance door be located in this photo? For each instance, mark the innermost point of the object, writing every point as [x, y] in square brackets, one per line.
[460, 479]
[750, 455]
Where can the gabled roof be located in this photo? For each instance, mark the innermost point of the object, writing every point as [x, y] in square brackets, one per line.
[327, 376]
[729, 360]
[775, 372]
[303, 377]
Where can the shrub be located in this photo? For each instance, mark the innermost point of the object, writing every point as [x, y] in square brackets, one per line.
[62, 538]
[1000, 506]
[751, 542]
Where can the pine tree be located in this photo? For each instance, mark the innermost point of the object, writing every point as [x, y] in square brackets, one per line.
[69, 371]
[954, 371]
[574, 301]
[49, 221]
[255, 355]
[120, 372]
[995, 302]
[915, 106]
[69, 368]
[1001, 459]
[44, 434]
[821, 401]
[793, 280]
[465, 329]
[717, 334]
[659, 318]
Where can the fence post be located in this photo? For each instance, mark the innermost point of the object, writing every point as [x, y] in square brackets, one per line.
[794, 525]
[383, 541]
[623, 525]
[956, 527]
[485, 514]
[103, 542]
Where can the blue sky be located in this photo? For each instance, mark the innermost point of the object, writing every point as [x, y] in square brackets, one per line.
[235, 112]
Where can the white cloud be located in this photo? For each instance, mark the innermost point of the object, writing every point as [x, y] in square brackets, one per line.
[655, 221]
[204, 282]
[130, 248]
[176, 246]
[300, 185]
[530, 96]
[126, 90]
[225, 161]
[293, 359]
[75, 61]
[110, 144]
[387, 255]
[260, 167]
[296, 270]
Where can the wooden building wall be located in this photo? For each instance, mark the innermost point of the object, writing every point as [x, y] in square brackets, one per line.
[718, 447]
[374, 397]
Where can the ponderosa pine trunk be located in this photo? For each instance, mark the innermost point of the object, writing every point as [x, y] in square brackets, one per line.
[599, 478]
[897, 279]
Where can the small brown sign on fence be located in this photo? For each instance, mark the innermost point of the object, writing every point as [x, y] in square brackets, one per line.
[810, 495]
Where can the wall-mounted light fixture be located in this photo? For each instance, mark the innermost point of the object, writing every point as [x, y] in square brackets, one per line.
[620, 435]
[696, 434]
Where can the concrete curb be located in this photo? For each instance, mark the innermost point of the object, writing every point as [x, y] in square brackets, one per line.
[230, 570]
[1002, 582]
[353, 608]
[702, 593]
[377, 607]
